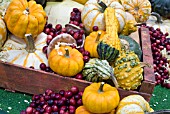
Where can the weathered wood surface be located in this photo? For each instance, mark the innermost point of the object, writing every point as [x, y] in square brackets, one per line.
[17, 78]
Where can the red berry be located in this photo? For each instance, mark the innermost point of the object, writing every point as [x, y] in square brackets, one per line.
[95, 28]
[58, 27]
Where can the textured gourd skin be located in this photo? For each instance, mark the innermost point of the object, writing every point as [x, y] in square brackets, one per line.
[133, 104]
[128, 71]
[24, 17]
[96, 70]
[91, 42]
[63, 65]
[100, 102]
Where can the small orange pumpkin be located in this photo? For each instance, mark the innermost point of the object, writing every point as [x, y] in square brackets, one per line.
[3, 32]
[24, 17]
[83, 110]
[92, 41]
[100, 98]
[66, 61]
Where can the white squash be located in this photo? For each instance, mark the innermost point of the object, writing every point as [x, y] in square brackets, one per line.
[59, 12]
[155, 21]
[133, 104]
[3, 32]
[93, 14]
[32, 55]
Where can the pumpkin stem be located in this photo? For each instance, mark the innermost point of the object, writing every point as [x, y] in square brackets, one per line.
[101, 87]
[67, 53]
[26, 11]
[98, 36]
[30, 47]
[113, 78]
[158, 17]
[102, 4]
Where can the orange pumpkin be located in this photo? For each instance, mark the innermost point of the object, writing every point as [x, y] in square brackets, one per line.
[92, 41]
[83, 110]
[66, 61]
[24, 17]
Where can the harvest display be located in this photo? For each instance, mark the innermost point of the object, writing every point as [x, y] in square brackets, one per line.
[91, 43]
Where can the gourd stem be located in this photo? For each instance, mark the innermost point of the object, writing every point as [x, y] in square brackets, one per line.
[98, 36]
[158, 17]
[67, 53]
[30, 46]
[101, 87]
[102, 4]
[113, 78]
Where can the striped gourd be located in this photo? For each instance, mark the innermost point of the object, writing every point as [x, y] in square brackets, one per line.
[109, 47]
[93, 14]
[30, 56]
[96, 70]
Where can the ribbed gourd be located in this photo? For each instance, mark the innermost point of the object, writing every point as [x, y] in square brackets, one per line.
[96, 70]
[108, 49]
[128, 70]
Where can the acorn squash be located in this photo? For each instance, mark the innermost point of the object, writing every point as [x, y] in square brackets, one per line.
[132, 45]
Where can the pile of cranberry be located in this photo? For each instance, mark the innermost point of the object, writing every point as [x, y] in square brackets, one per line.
[50, 102]
[159, 41]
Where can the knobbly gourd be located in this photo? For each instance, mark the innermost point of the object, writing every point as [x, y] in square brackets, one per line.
[140, 9]
[91, 42]
[65, 60]
[133, 104]
[3, 32]
[31, 56]
[93, 14]
[128, 70]
[83, 110]
[100, 98]
[131, 44]
[24, 17]
[110, 45]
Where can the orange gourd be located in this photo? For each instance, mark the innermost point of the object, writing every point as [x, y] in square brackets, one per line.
[66, 61]
[24, 17]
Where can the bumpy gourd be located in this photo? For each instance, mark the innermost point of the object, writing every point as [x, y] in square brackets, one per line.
[133, 104]
[128, 71]
[110, 45]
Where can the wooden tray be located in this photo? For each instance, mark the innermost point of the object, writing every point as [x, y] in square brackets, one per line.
[17, 78]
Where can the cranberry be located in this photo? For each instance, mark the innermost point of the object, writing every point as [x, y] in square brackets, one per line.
[95, 28]
[58, 27]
